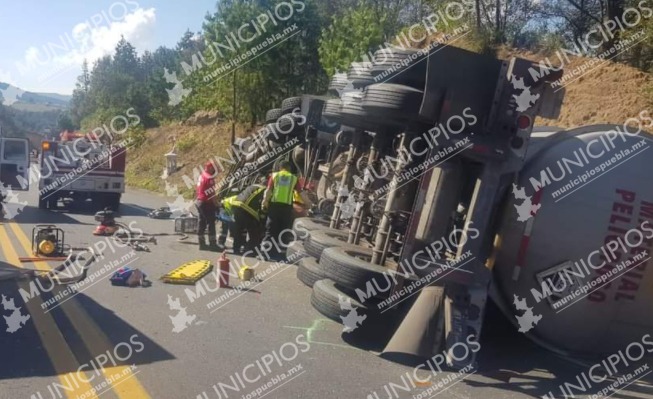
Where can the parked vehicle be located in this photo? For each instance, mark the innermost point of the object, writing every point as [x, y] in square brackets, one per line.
[79, 168]
[14, 163]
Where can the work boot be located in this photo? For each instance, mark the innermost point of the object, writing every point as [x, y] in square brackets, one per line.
[203, 246]
[213, 246]
[222, 244]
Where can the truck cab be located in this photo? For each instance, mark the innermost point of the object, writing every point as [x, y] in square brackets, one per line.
[14, 163]
[78, 168]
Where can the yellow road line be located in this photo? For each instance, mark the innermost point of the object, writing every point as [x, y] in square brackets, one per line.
[54, 343]
[124, 382]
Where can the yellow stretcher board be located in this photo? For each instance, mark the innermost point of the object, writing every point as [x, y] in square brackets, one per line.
[188, 273]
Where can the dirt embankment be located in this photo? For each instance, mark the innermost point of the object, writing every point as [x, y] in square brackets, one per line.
[596, 91]
[197, 140]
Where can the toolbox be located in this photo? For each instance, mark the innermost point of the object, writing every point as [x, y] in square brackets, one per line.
[187, 224]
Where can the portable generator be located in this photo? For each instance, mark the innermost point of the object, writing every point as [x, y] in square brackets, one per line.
[47, 240]
[107, 221]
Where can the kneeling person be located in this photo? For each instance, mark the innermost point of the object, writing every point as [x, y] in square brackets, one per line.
[247, 218]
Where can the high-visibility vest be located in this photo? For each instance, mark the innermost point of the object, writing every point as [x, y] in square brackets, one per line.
[228, 204]
[298, 198]
[284, 184]
[250, 200]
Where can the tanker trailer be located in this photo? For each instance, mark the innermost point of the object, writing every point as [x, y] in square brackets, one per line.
[572, 251]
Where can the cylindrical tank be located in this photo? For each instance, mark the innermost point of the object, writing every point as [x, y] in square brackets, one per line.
[562, 249]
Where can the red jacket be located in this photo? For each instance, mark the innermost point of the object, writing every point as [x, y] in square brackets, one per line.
[206, 187]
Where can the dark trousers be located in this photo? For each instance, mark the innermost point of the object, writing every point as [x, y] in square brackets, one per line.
[225, 229]
[246, 225]
[280, 218]
[206, 211]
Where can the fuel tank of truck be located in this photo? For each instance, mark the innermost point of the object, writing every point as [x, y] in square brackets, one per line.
[572, 259]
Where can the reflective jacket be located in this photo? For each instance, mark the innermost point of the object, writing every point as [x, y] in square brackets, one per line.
[228, 204]
[250, 200]
[283, 186]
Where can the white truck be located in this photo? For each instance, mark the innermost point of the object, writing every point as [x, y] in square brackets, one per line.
[14, 166]
[79, 168]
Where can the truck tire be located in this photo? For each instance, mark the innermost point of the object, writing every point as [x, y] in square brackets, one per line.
[390, 102]
[272, 133]
[348, 266]
[360, 74]
[337, 84]
[301, 226]
[272, 115]
[113, 202]
[295, 252]
[331, 110]
[290, 103]
[288, 125]
[309, 271]
[319, 240]
[326, 299]
[353, 114]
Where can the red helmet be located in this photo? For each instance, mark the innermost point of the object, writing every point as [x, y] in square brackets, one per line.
[209, 168]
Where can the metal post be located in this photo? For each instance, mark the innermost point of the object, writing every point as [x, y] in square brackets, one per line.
[383, 232]
[465, 305]
[362, 210]
[346, 177]
[233, 121]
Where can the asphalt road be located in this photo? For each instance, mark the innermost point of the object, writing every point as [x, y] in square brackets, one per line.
[266, 341]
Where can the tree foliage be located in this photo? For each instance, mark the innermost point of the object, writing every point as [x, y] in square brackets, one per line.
[350, 37]
[244, 76]
[287, 65]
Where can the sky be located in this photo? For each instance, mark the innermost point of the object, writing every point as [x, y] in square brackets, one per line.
[43, 43]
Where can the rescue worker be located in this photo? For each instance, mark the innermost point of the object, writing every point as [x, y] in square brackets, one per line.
[248, 226]
[278, 203]
[205, 201]
[226, 217]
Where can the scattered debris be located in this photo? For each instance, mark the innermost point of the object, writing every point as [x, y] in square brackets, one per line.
[127, 277]
[246, 273]
[161, 213]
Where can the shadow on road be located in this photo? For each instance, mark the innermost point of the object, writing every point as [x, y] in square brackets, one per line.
[131, 210]
[24, 354]
[510, 362]
[518, 364]
[33, 215]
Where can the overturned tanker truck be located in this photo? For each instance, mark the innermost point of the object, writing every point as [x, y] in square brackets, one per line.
[432, 193]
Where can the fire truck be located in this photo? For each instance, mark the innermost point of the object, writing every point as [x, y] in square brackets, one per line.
[79, 168]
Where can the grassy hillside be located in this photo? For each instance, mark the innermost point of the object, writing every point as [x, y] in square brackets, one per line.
[195, 145]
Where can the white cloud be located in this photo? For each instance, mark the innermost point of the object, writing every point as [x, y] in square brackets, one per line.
[6, 77]
[87, 41]
[96, 42]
